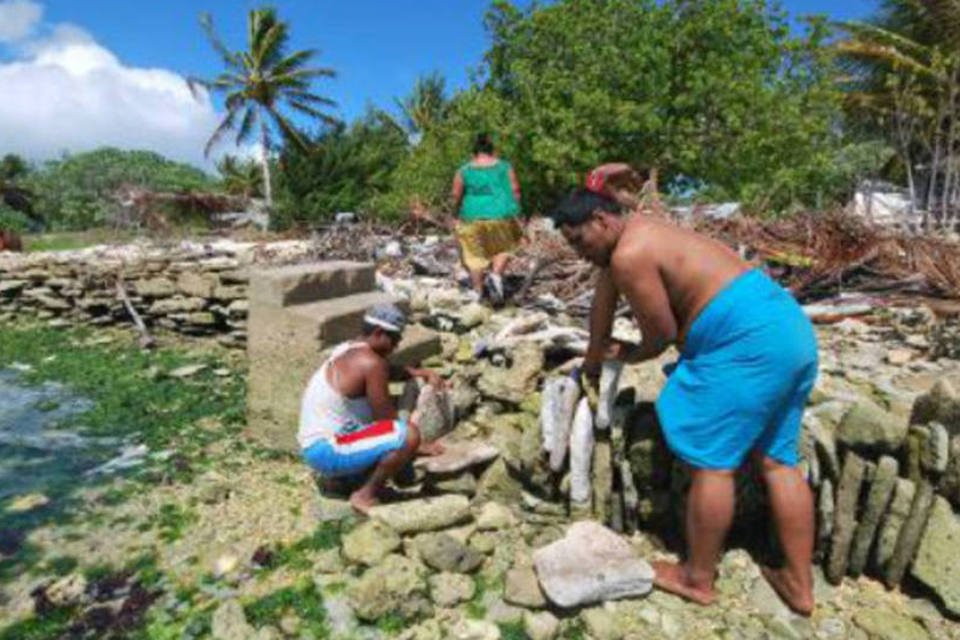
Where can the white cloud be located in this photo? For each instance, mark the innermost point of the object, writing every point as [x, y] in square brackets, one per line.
[66, 92]
[18, 19]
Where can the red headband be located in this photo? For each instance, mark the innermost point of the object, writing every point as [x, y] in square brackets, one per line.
[594, 181]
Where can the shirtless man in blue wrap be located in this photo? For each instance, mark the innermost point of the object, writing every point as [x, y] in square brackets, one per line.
[748, 363]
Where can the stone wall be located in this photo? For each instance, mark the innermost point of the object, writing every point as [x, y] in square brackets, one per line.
[189, 288]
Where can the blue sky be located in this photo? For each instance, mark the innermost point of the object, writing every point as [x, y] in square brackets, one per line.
[378, 48]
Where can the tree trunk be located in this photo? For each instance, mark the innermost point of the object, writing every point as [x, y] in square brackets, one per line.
[935, 162]
[265, 164]
[946, 211]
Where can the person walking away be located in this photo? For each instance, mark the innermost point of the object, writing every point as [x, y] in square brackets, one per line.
[486, 197]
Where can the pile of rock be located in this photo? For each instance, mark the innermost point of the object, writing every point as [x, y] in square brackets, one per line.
[887, 509]
[194, 289]
[885, 484]
[424, 557]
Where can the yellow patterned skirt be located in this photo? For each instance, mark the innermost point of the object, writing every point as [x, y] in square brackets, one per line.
[481, 240]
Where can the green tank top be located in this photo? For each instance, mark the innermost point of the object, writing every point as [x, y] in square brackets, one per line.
[487, 192]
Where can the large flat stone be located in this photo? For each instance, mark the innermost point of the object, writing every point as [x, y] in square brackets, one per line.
[867, 427]
[522, 588]
[458, 456]
[370, 543]
[443, 552]
[591, 564]
[937, 563]
[427, 514]
[304, 283]
[398, 586]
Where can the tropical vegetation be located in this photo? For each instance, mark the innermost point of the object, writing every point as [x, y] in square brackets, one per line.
[729, 100]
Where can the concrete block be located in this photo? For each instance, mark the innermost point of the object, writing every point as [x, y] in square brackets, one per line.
[305, 283]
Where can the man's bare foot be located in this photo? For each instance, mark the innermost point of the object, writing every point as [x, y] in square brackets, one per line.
[799, 600]
[362, 501]
[672, 577]
[430, 449]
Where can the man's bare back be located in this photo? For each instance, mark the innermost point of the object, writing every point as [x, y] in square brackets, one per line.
[691, 269]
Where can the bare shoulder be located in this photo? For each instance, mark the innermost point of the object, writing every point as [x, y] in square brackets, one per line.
[637, 247]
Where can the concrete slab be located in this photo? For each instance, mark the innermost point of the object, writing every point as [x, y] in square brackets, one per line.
[304, 283]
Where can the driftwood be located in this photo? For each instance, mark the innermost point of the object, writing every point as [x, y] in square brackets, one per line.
[146, 341]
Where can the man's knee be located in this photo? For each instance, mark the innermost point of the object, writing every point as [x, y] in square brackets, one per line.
[712, 474]
[413, 437]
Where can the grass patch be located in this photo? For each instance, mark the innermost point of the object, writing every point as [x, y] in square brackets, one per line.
[54, 624]
[391, 624]
[512, 631]
[302, 600]
[171, 521]
[58, 566]
[196, 623]
[576, 631]
[297, 555]
[475, 608]
[98, 572]
[66, 240]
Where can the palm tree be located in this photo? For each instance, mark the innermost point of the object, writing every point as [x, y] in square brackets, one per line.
[905, 67]
[426, 105]
[257, 82]
[241, 177]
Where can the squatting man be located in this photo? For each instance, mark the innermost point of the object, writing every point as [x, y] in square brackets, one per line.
[349, 429]
[748, 363]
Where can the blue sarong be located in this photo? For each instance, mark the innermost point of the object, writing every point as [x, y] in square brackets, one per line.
[745, 372]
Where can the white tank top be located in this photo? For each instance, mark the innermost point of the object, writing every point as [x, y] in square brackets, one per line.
[325, 412]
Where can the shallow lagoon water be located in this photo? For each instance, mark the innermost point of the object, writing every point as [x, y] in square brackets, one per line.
[40, 446]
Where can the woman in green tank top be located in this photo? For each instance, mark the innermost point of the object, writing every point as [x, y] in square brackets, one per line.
[486, 196]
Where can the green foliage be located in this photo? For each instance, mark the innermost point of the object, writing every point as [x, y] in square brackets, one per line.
[13, 167]
[241, 177]
[426, 174]
[79, 191]
[345, 169]
[719, 91]
[12, 220]
[426, 106]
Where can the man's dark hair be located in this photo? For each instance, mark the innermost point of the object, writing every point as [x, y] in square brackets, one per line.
[576, 208]
[483, 144]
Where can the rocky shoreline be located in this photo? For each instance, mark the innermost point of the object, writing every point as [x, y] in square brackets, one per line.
[249, 548]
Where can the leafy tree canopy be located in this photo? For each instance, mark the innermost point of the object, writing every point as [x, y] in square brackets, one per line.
[78, 191]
